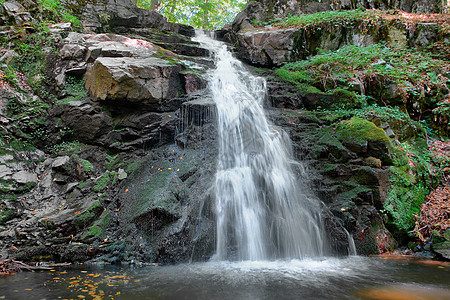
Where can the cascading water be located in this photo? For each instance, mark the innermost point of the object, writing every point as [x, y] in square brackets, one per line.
[261, 213]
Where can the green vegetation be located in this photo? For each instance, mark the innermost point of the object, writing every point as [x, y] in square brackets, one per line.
[98, 226]
[55, 10]
[404, 78]
[329, 18]
[209, 14]
[75, 90]
[88, 216]
[413, 177]
[412, 71]
[108, 178]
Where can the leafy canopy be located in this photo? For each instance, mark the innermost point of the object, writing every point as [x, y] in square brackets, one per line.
[204, 14]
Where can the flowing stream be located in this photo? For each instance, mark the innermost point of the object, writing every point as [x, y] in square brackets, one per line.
[261, 212]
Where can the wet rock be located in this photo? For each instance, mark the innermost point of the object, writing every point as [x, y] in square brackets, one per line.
[86, 119]
[442, 249]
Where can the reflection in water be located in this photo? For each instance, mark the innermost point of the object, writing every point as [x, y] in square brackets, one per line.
[331, 278]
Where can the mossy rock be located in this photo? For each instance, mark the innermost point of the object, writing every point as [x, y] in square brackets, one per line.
[98, 226]
[360, 130]
[89, 215]
[345, 99]
[446, 235]
[442, 249]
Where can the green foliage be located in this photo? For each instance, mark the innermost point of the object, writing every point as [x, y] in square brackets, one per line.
[67, 147]
[301, 79]
[75, 89]
[59, 12]
[412, 71]
[205, 14]
[87, 165]
[345, 98]
[326, 17]
[412, 178]
[103, 182]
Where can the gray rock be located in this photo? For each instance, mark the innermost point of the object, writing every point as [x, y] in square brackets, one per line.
[72, 52]
[121, 174]
[8, 56]
[70, 187]
[13, 7]
[5, 172]
[60, 27]
[25, 177]
[147, 80]
[61, 162]
[104, 14]
[6, 158]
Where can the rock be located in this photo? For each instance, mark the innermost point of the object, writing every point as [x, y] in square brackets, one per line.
[15, 11]
[266, 48]
[61, 162]
[72, 52]
[424, 35]
[198, 112]
[87, 120]
[12, 7]
[121, 174]
[60, 27]
[8, 56]
[71, 186]
[125, 14]
[5, 172]
[25, 177]
[442, 249]
[6, 158]
[147, 80]
[373, 162]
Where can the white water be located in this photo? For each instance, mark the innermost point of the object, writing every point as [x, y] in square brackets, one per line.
[261, 213]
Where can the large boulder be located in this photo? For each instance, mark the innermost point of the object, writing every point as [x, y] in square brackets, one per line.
[147, 80]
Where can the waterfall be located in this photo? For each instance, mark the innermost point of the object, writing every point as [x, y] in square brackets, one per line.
[261, 211]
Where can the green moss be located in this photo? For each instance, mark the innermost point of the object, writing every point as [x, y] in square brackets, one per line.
[360, 130]
[87, 217]
[99, 226]
[346, 18]
[114, 162]
[413, 176]
[103, 182]
[84, 184]
[294, 76]
[6, 215]
[345, 99]
[75, 89]
[87, 165]
[354, 193]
